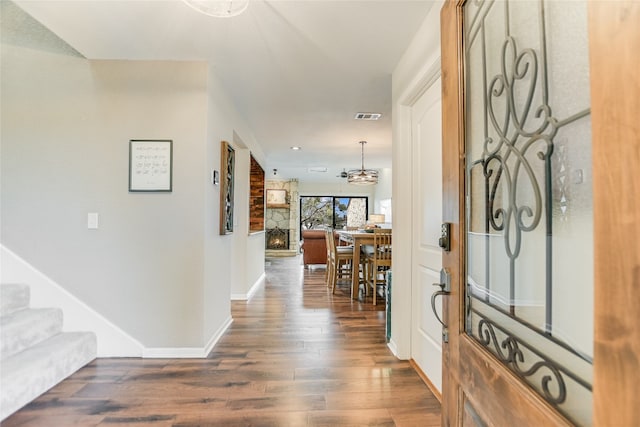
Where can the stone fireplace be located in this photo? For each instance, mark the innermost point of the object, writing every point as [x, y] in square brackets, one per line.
[281, 220]
[276, 238]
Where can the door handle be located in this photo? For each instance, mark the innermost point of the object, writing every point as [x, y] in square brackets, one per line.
[445, 289]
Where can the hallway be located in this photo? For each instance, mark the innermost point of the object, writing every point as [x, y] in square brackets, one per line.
[295, 355]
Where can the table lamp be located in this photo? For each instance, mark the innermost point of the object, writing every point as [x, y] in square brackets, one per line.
[376, 219]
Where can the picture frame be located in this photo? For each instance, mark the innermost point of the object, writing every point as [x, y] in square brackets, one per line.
[277, 198]
[227, 170]
[150, 165]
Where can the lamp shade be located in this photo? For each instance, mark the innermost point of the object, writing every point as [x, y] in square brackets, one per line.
[376, 218]
[362, 177]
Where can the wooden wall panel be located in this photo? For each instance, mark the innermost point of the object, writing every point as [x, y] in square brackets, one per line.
[256, 197]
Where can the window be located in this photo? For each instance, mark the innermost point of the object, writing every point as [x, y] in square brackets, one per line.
[332, 212]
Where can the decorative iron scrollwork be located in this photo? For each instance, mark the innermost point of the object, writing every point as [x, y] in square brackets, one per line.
[515, 141]
[510, 353]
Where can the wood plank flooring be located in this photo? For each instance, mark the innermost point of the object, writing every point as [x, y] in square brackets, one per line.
[295, 355]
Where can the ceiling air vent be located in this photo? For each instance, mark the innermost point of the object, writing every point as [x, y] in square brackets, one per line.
[368, 116]
[317, 169]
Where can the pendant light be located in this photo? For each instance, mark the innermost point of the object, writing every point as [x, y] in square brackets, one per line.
[362, 176]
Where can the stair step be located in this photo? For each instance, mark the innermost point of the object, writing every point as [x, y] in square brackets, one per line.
[13, 297]
[27, 327]
[28, 374]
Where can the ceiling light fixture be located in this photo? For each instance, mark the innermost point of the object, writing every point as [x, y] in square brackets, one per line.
[368, 116]
[295, 148]
[314, 169]
[219, 8]
[362, 176]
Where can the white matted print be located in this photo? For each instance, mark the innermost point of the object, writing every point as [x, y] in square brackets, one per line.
[150, 165]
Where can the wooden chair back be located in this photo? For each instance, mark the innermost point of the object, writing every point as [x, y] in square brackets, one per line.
[379, 260]
[382, 246]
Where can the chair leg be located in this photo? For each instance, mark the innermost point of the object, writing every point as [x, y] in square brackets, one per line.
[327, 273]
[334, 275]
[382, 281]
[334, 283]
[366, 270]
[375, 281]
[334, 279]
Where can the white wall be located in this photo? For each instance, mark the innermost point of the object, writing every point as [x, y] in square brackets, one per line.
[235, 262]
[408, 78]
[66, 125]
[156, 267]
[331, 189]
[383, 191]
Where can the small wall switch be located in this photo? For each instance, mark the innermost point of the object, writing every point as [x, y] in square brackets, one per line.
[92, 220]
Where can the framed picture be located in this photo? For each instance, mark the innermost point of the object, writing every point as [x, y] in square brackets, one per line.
[277, 198]
[150, 165]
[227, 169]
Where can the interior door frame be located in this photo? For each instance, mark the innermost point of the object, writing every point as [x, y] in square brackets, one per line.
[476, 386]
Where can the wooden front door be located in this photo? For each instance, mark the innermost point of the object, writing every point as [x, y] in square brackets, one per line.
[541, 191]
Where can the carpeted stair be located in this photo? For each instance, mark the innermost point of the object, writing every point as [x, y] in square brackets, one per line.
[35, 354]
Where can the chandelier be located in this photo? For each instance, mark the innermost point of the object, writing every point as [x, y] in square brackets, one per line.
[362, 176]
[219, 8]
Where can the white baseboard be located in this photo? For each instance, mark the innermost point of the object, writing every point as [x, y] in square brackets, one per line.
[78, 316]
[254, 288]
[393, 347]
[187, 352]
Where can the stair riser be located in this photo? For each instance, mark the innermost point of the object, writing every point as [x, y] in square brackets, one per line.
[26, 328]
[13, 297]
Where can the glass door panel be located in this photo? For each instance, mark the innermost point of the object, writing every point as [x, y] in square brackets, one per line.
[529, 197]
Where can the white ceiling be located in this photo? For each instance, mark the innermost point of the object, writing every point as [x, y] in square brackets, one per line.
[297, 70]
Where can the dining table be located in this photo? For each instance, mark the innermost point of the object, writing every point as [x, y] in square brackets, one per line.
[357, 238]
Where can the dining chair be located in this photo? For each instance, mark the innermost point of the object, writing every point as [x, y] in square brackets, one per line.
[340, 261]
[329, 272]
[378, 261]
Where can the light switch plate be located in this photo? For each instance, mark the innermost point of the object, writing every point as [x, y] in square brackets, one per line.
[92, 220]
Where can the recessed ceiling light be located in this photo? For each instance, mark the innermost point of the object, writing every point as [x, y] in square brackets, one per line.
[317, 169]
[368, 116]
[295, 148]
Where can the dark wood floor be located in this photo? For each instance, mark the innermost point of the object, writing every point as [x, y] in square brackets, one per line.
[295, 355]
